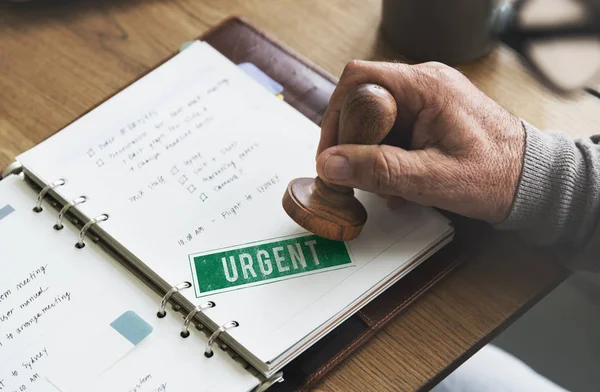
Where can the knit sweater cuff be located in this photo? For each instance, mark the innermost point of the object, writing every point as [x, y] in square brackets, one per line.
[551, 197]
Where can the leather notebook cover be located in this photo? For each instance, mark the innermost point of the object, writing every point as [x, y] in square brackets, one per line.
[308, 88]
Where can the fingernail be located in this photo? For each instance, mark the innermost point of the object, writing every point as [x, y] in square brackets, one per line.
[338, 168]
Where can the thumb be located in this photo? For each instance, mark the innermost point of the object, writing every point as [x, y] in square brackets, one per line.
[381, 169]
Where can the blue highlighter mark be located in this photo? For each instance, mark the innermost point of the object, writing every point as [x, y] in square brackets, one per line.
[6, 211]
[132, 327]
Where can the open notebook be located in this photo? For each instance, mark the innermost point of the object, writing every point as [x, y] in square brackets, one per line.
[182, 173]
[78, 321]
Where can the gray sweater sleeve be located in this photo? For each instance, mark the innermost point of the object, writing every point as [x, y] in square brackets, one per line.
[557, 202]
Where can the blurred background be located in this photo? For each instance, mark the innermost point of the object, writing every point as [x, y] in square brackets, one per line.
[560, 336]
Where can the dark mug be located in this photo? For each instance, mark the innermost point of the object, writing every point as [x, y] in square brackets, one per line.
[559, 40]
[449, 31]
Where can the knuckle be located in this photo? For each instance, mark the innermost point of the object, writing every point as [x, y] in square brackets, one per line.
[385, 171]
[439, 73]
[434, 65]
[354, 67]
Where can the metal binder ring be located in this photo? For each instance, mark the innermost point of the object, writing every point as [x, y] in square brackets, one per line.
[84, 229]
[40, 198]
[269, 382]
[186, 323]
[209, 352]
[63, 211]
[163, 303]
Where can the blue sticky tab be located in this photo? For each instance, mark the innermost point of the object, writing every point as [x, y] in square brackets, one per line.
[185, 45]
[6, 211]
[132, 327]
[261, 77]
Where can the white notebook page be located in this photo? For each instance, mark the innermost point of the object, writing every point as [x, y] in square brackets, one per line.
[57, 304]
[195, 157]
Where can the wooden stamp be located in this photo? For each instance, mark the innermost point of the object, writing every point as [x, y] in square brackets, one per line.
[332, 211]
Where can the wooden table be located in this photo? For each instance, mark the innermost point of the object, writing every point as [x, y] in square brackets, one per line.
[57, 61]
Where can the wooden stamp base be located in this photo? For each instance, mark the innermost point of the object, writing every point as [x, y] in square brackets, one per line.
[326, 210]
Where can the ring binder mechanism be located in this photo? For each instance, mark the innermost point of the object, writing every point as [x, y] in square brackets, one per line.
[269, 382]
[100, 218]
[162, 312]
[209, 352]
[42, 194]
[186, 323]
[263, 386]
[63, 211]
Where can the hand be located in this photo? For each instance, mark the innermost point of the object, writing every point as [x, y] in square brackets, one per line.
[465, 153]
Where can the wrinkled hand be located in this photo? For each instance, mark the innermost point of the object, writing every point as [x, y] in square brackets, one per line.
[465, 153]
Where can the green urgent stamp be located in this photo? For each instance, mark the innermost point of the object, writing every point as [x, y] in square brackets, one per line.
[265, 262]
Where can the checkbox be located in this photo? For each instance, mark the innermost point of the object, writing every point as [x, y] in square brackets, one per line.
[203, 196]
[174, 170]
[191, 188]
[91, 153]
[183, 179]
[100, 162]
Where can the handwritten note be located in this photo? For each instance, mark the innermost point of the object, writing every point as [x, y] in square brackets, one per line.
[185, 157]
[34, 301]
[46, 290]
[29, 301]
[232, 210]
[185, 146]
[24, 376]
[58, 305]
[143, 141]
[149, 383]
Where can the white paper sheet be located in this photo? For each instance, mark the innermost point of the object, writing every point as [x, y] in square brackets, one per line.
[57, 306]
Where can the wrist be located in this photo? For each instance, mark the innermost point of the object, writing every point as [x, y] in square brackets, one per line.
[511, 168]
[550, 196]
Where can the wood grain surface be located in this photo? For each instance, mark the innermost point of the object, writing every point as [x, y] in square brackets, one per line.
[57, 59]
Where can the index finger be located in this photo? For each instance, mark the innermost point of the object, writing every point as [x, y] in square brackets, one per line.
[392, 76]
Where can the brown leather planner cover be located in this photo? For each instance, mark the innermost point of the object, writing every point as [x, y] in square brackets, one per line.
[308, 88]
